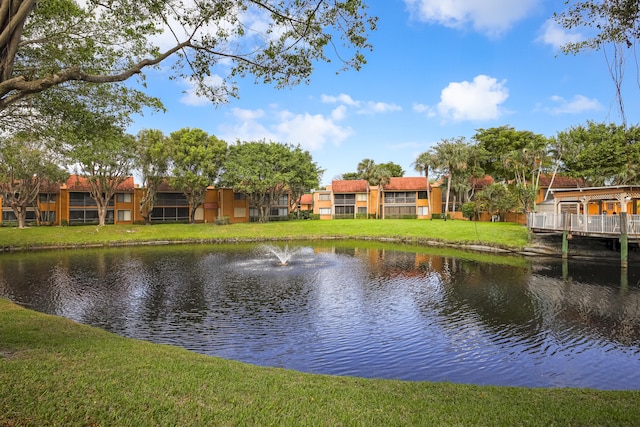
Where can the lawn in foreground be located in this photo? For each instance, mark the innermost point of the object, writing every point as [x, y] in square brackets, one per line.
[57, 372]
[502, 235]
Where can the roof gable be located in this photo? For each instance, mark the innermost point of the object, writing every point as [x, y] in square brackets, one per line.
[350, 186]
[416, 183]
[80, 183]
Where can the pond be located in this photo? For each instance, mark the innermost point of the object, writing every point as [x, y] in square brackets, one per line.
[354, 309]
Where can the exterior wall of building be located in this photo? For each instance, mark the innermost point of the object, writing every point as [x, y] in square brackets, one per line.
[323, 203]
[234, 206]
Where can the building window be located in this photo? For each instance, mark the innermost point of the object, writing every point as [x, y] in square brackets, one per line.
[239, 196]
[81, 199]
[324, 197]
[123, 197]
[362, 210]
[422, 195]
[361, 197]
[170, 214]
[344, 199]
[171, 199]
[239, 212]
[423, 210]
[88, 216]
[325, 211]
[47, 197]
[124, 215]
[48, 216]
[279, 212]
[399, 197]
[399, 212]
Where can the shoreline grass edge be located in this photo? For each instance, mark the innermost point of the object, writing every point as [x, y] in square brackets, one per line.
[58, 372]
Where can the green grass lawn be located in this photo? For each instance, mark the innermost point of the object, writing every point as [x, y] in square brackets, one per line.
[54, 372]
[501, 235]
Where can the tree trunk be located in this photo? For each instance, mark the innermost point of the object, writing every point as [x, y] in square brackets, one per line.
[21, 214]
[446, 203]
[192, 213]
[102, 213]
[264, 214]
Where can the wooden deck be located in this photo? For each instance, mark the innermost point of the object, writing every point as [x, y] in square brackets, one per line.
[598, 226]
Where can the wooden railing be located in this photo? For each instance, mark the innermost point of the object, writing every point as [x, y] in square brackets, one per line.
[579, 223]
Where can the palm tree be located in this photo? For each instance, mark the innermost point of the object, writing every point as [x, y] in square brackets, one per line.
[366, 169]
[380, 176]
[422, 164]
[452, 156]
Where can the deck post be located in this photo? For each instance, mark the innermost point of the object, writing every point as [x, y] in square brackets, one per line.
[565, 235]
[624, 241]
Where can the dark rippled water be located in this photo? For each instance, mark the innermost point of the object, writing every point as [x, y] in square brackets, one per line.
[344, 310]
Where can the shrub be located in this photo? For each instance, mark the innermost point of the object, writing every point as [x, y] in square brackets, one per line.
[221, 220]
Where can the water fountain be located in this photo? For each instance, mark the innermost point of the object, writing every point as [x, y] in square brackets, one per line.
[283, 255]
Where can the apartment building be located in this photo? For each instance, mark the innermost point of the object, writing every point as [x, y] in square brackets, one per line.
[401, 197]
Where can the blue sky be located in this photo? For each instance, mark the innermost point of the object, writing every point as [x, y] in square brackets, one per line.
[439, 69]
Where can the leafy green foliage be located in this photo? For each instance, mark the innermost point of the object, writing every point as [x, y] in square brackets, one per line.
[152, 157]
[452, 161]
[267, 171]
[197, 160]
[514, 156]
[27, 166]
[496, 197]
[601, 154]
[50, 43]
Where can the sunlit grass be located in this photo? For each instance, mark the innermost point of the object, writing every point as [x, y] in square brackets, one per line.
[57, 372]
[423, 232]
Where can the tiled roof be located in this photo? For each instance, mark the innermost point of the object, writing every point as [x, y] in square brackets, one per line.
[350, 186]
[560, 181]
[79, 183]
[306, 199]
[418, 183]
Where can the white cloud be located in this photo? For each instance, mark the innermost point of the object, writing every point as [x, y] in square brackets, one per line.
[477, 100]
[578, 104]
[339, 113]
[554, 35]
[247, 115]
[491, 17]
[311, 131]
[422, 108]
[378, 107]
[340, 99]
[362, 107]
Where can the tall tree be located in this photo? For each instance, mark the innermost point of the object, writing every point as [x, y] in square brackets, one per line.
[102, 153]
[514, 156]
[395, 170]
[610, 24]
[197, 159]
[496, 197]
[305, 175]
[527, 164]
[152, 161]
[425, 162]
[26, 164]
[377, 175]
[452, 157]
[49, 43]
[267, 171]
[600, 154]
